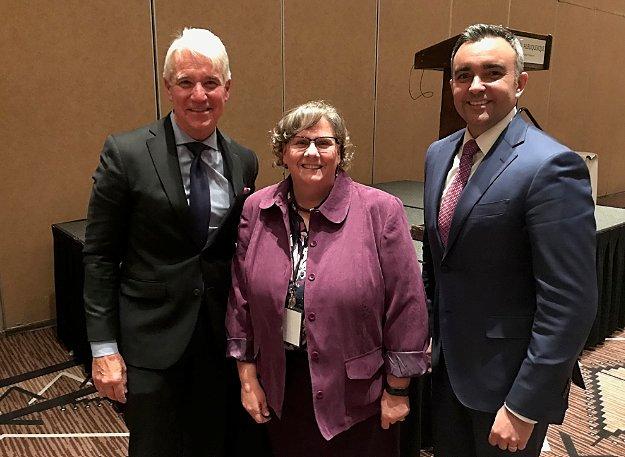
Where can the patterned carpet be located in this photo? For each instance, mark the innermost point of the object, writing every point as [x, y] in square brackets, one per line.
[595, 422]
[85, 426]
[75, 427]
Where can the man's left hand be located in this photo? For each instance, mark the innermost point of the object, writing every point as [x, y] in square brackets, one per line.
[394, 409]
[509, 432]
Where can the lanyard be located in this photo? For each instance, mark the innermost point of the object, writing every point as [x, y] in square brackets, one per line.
[298, 247]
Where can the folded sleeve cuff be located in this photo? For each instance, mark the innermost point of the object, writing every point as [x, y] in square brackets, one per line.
[240, 349]
[405, 364]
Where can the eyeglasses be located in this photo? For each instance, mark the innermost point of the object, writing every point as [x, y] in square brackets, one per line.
[322, 143]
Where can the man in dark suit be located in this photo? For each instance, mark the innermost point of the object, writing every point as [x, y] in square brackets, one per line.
[161, 232]
[509, 261]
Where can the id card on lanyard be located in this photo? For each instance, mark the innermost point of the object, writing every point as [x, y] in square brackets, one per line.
[292, 326]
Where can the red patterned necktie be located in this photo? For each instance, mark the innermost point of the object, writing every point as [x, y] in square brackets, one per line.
[451, 197]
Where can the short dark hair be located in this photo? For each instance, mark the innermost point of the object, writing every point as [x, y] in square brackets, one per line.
[477, 32]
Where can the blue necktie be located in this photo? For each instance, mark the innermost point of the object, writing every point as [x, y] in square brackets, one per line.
[199, 193]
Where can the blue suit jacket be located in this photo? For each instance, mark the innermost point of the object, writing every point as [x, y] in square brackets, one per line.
[514, 293]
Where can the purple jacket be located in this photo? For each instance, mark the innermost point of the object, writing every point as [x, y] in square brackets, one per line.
[364, 301]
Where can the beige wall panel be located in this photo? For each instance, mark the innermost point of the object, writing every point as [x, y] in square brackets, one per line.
[590, 4]
[404, 128]
[467, 12]
[251, 32]
[570, 99]
[611, 6]
[78, 71]
[329, 53]
[606, 96]
[535, 16]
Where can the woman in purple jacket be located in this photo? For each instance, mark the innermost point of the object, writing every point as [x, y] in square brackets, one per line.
[327, 316]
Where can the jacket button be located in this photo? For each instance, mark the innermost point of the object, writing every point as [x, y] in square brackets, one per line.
[197, 292]
[319, 395]
[313, 243]
[312, 317]
[311, 277]
[314, 355]
[444, 268]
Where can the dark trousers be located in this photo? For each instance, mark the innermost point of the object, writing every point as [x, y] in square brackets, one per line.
[463, 432]
[191, 409]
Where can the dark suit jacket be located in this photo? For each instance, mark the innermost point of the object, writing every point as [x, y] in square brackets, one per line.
[514, 294]
[144, 275]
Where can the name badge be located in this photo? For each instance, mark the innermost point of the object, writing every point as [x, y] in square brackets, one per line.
[291, 327]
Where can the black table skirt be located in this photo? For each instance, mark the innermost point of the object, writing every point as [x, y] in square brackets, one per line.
[610, 281]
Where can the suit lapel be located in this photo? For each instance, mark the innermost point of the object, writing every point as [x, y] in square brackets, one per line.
[234, 173]
[162, 148]
[494, 163]
[232, 163]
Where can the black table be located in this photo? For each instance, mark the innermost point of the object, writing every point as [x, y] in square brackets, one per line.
[71, 330]
[610, 274]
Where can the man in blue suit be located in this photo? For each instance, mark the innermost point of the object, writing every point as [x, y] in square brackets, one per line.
[509, 261]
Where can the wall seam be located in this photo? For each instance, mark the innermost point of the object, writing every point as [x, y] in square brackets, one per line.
[607, 176]
[375, 86]
[282, 45]
[509, 11]
[553, 50]
[157, 92]
[451, 17]
[592, 8]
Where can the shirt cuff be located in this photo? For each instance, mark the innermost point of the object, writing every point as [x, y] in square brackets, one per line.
[405, 364]
[523, 418]
[102, 348]
[240, 349]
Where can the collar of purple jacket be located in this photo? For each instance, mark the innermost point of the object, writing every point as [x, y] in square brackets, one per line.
[334, 208]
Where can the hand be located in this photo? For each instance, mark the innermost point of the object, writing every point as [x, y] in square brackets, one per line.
[394, 409]
[509, 432]
[254, 401]
[428, 356]
[109, 377]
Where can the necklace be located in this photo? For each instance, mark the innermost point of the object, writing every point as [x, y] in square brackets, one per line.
[301, 208]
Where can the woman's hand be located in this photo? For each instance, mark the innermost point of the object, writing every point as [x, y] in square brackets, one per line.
[254, 401]
[252, 394]
[395, 408]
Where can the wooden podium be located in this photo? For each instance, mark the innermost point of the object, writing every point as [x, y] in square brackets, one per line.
[437, 57]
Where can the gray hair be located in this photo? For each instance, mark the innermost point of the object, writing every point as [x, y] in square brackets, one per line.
[477, 32]
[198, 42]
[305, 116]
